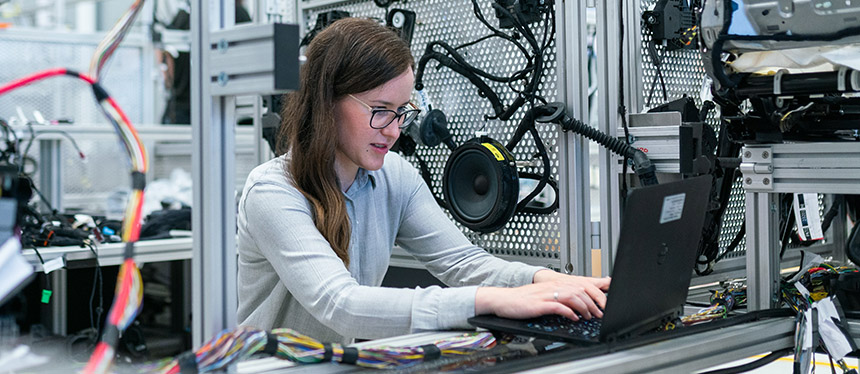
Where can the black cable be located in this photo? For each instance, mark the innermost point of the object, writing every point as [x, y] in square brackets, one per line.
[450, 63]
[428, 179]
[622, 108]
[457, 63]
[773, 356]
[476, 9]
[11, 138]
[735, 242]
[550, 182]
[476, 41]
[95, 321]
[29, 125]
[657, 61]
[61, 132]
[521, 206]
[41, 196]
[549, 29]
[522, 26]
[462, 61]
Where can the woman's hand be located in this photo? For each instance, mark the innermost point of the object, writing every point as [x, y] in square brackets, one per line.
[551, 293]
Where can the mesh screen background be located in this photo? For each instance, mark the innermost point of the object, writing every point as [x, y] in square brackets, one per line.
[528, 238]
[87, 183]
[105, 167]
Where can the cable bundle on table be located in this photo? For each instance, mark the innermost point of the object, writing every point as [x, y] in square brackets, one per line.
[722, 302]
[231, 346]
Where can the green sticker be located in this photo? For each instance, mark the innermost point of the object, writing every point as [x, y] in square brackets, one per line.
[46, 296]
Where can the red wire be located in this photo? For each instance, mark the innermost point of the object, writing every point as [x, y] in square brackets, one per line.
[42, 75]
[96, 358]
[122, 299]
[30, 79]
[125, 286]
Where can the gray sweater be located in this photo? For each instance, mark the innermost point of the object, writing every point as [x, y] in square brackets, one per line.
[290, 277]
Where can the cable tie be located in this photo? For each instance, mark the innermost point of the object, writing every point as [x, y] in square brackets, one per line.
[187, 363]
[350, 355]
[99, 91]
[431, 352]
[855, 80]
[129, 249]
[777, 82]
[271, 344]
[327, 352]
[111, 335]
[138, 180]
[840, 78]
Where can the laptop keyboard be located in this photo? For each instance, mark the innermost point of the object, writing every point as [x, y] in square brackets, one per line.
[555, 324]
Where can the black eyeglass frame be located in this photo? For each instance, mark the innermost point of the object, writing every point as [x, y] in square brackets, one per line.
[407, 115]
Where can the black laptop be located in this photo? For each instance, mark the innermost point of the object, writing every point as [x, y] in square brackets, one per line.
[660, 232]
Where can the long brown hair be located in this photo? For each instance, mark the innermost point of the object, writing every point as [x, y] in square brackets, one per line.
[351, 55]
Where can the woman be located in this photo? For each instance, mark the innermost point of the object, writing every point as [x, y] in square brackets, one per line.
[317, 224]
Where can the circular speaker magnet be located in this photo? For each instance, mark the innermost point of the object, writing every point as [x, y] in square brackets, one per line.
[481, 185]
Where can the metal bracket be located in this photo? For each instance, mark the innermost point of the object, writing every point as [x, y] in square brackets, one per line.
[802, 167]
[757, 168]
[254, 60]
[656, 134]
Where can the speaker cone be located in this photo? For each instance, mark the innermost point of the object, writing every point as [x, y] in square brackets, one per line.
[481, 185]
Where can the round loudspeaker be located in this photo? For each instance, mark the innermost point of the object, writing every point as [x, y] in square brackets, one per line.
[481, 185]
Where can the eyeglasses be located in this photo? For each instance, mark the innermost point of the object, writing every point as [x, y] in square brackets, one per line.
[381, 118]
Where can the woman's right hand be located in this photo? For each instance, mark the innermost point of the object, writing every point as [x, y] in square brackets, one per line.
[539, 299]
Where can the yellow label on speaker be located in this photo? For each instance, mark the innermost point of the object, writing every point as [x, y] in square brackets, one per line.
[495, 151]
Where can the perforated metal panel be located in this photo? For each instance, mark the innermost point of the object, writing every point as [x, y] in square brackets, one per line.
[105, 167]
[684, 74]
[67, 97]
[530, 238]
[87, 183]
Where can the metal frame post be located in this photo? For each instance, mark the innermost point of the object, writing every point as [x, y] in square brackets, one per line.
[762, 215]
[51, 173]
[789, 168]
[608, 85]
[214, 299]
[574, 189]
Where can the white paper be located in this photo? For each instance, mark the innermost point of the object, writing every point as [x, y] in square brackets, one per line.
[806, 216]
[54, 264]
[834, 339]
[799, 60]
[803, 291]
[14, 269]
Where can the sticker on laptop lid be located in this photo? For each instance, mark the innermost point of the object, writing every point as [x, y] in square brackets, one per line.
[673, 206]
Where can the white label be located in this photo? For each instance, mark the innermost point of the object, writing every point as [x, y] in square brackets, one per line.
[673, 207]
[806, 216]
[56, 263]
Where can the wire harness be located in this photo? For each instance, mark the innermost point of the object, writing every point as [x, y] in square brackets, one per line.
[231, 346]
[129, 289]
[722, 302]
